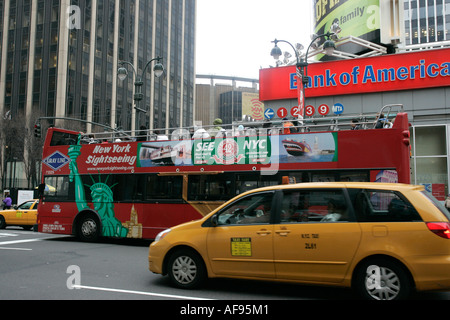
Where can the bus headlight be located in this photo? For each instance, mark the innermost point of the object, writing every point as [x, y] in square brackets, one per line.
[162, 234]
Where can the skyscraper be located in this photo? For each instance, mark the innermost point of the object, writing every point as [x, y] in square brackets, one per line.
[426, 21]
[59, 58]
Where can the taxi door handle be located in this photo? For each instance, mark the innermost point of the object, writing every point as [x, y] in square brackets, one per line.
[263, 232]
[283, 232]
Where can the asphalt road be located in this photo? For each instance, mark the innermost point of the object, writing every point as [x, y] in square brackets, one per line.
[36, 266]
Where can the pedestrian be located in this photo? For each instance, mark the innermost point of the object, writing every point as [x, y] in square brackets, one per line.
[355, 124]
[240, 131]
[383, 122]
[7, 202]
[200, 133]
[287, 125]
[142, 136]
[447, 202]
[217, 131]
[380, 121]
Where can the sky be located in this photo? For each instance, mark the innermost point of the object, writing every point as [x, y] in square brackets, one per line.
[234, 37]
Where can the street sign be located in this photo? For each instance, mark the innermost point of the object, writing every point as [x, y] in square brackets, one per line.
[338, 108]
[323, 109]
[309, 111]
[295, 112]
[269, 113]
[282, 113]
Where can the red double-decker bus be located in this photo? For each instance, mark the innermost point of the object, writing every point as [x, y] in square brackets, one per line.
[119, 185]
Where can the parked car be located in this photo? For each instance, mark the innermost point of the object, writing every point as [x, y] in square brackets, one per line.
[24, 215]
[383, 240]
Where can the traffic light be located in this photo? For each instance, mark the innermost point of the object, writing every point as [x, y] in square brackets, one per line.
[37, 130]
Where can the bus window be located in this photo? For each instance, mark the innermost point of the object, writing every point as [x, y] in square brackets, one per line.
[246, 182]
[63, 139]
[331, 176]
[210, 187]
[58, 188]
[355, 176]
[163, 188]
[127, 187]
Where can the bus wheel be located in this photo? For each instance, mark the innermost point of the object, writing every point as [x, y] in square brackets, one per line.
[383, 279]
[88, 229]
[186, 269]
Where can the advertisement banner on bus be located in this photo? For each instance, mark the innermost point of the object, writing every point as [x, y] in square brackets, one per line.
[266, 149]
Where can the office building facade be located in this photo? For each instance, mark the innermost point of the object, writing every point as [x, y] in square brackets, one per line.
[426, 21]
[224, 97]
[60, 59]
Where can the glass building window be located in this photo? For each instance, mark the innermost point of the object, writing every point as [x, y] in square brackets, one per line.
[429, 164]
[430, 141]
[426, 21]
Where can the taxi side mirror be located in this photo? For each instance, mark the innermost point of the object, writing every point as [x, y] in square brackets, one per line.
[214, 221]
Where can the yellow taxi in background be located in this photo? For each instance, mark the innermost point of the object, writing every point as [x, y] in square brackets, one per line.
[24, 215]
[383, 240]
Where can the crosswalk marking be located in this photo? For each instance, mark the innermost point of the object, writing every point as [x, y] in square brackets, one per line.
[2, 235]
[19, 241]
[16, 249]
[160, 295]
[8, 239]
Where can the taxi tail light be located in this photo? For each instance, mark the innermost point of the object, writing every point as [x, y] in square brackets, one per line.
[442, 229]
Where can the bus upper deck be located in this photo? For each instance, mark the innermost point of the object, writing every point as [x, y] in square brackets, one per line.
[150, 181]
[249, 127]
[316, 144]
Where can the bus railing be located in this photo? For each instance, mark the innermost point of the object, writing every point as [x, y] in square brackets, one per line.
[251, 128]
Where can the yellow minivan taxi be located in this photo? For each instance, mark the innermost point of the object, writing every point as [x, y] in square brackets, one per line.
[383, 240]
[24, 215]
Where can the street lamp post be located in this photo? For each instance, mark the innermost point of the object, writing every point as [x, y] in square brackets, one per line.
[302, 66]
[122, 74]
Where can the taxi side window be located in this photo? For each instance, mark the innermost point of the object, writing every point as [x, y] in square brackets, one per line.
[252, 209]
[322, 206]
[382, 206]
[26, 205]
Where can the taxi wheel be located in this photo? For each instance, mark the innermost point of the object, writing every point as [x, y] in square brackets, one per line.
[186, 269]
[2, 222]
[383, 279]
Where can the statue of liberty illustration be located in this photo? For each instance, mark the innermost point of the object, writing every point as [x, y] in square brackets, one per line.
[102, 198]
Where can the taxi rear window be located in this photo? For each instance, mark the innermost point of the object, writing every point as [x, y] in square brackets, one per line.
[382, 206]
[438, 204]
